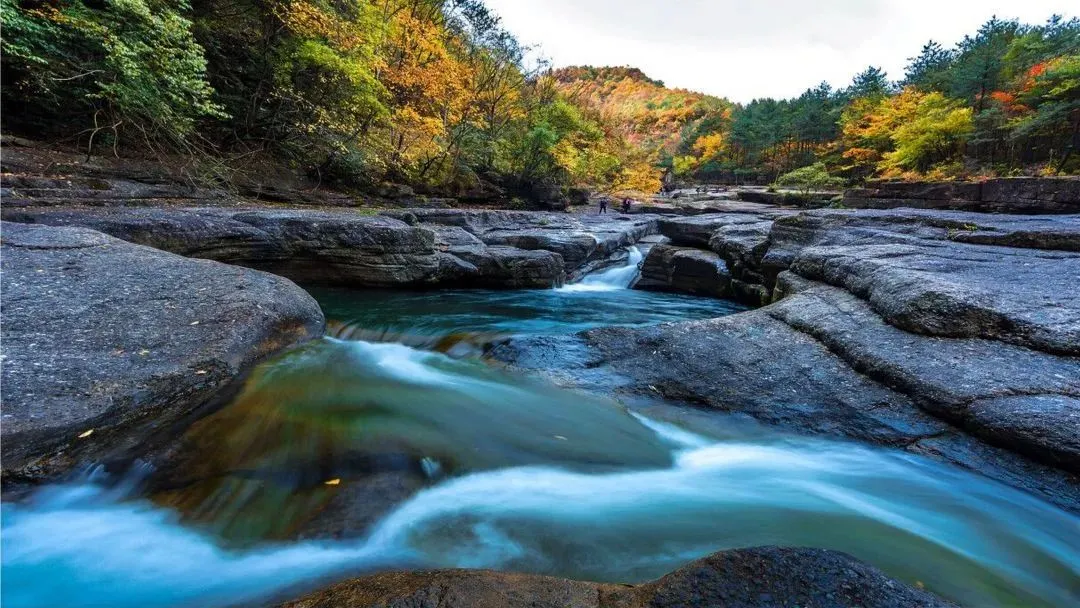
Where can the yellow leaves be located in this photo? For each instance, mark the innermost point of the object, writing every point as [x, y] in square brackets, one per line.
[909, 131]
[332, 482]
[307, 20]
[86, 434]
[640, 177]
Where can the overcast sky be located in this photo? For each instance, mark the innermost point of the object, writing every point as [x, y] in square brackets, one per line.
[743, 49]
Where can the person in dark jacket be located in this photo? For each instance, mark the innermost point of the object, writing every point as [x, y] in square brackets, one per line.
[626, 205]
[603, 205]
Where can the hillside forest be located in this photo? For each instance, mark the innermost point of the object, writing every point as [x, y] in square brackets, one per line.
[437, 94]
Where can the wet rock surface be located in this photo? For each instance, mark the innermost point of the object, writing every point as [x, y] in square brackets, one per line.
[107, 344]
[757, 577]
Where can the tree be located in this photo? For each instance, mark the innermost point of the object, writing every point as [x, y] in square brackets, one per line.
[1053, 94]
[929, 69]
[933, 131]
[871, 82]
[127, 67]
[814, 177]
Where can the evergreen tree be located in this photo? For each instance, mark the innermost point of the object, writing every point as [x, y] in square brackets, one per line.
[928, 71]
[872, 82]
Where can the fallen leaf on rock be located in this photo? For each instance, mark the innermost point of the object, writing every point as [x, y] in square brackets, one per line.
[332, 482]
[86, 434]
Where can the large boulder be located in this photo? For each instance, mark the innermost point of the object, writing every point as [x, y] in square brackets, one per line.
[763, 577]
[108, 344]
[685, 270]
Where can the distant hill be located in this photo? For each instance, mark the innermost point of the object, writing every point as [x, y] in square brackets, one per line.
[650, 115]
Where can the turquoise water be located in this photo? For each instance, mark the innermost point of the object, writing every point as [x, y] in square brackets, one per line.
[517, 475]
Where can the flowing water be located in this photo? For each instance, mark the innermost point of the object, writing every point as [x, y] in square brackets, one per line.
[514, 474]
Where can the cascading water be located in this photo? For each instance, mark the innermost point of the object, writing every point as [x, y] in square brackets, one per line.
[621, 277]
[514, 474]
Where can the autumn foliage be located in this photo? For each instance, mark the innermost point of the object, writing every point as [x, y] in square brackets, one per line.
[437, 94]
[433, 93]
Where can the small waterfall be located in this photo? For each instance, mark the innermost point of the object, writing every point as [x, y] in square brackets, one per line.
[612, 278]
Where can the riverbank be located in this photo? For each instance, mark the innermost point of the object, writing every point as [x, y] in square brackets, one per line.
[948, 335]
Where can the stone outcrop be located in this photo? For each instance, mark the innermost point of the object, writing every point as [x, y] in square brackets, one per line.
[418, 247]
[685, 270]
[1004, 195]
[918, 278]
[761, 577]
[717, 254]
[107, 344]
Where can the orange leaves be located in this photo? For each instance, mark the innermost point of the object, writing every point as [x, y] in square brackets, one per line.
[1003, 97]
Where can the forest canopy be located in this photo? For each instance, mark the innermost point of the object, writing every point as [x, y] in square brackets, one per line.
[433, 93]
[437, 94]
[1003, 101]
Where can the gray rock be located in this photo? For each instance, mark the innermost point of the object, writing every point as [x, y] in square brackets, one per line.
[685, 270]
[347, 249]
[821, 361]
[921, 281]
[1011, 396]
[1044, 426]
[1007, 195]
[327, 247]
[107, 344]
[761, 577]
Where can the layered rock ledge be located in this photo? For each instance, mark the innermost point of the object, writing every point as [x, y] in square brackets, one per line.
[758, 577]
[409, 248]
[107, 343]
[1004, 195]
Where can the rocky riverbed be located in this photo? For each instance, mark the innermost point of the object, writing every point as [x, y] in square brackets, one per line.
[951, 334]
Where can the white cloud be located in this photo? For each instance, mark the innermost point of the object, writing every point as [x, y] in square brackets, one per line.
[744, 49]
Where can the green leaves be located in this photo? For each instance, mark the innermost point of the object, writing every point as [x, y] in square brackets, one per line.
[131, 63]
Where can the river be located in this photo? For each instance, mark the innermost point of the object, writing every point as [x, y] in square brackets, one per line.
[508, 472]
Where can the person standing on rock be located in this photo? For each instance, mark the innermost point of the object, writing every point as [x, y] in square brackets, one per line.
[603, 205]
[626, 205]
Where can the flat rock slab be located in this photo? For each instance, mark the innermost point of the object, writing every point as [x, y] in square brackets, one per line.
[579, 239]
[762, 577]
[325, 247]
[107, 342]
[696, 231]
[923, 281]
[1019, 398]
